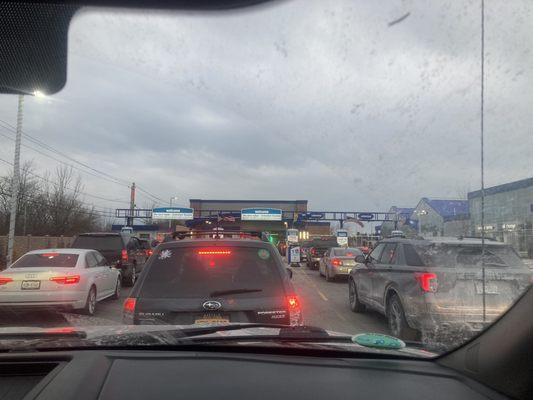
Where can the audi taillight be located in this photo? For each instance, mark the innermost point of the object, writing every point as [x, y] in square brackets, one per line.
[427, 281]
[124, 255]
[336, 262]
[66, 280]
[5, 280]
[295, 311]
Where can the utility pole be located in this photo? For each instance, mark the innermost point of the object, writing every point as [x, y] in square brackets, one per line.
[129, 220]
[15, 183]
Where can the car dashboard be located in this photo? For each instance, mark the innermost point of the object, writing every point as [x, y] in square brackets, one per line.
[159, 374]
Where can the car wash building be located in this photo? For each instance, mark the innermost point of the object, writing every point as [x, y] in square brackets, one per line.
[508, 214]
[273, 216]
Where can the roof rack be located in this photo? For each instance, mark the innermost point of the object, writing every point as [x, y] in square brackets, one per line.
[476, 237]
[219, 234]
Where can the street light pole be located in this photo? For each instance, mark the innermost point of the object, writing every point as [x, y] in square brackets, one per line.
[15, 182]
[170, 221]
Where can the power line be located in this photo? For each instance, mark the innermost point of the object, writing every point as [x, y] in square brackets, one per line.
[55, 184]
[105, 175]
[52, 149]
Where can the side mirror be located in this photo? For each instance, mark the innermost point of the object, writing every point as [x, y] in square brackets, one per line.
[360, 259]
[289, 271]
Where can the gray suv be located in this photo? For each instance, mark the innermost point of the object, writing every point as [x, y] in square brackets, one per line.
[436, 287]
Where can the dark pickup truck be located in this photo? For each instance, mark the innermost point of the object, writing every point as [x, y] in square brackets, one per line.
[316, 250]
[122, 250]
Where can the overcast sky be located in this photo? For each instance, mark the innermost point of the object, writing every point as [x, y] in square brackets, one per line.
[317, 100]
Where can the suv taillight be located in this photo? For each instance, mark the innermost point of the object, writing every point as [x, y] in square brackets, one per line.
[295, 312]
[336, 262]
[427, 281]
[124, 255]
[129, 310]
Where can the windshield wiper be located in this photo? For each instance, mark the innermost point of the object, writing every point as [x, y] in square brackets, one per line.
[52, 333]
[217, 293]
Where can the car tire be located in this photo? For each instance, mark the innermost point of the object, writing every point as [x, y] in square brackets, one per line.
[130, 279]
[90, 303]
[397, 322]
[118, 287]
[355, 303]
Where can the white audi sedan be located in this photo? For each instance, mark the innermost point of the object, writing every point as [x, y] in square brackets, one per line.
[70, 279]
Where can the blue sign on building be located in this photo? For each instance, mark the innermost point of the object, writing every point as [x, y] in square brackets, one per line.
[261, 214]
[172, 213]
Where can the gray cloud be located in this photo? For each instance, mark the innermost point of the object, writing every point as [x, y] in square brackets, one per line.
[308, 99]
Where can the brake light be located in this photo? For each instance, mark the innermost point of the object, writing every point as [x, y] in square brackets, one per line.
[336, 262]
[49, 255]
[5, 280]
[208, 252]
[313, 251]
[66, 280]
[124, 255]
[295, 312]
[427, 280]
[149, 252]
[129, 304]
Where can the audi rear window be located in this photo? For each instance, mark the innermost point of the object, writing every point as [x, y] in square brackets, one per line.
[205, 272]
[60, 260]
[98, 242]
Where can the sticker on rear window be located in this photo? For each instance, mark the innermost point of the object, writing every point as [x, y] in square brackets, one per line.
[263, 254]
[165, 254]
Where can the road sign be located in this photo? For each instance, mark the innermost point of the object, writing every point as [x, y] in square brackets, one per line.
[313, 215]
[261, 214]
[365, 216]
[172, 213]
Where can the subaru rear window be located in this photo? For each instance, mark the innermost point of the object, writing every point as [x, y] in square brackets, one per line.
[60, 260]
[211, 272]
[98, 242]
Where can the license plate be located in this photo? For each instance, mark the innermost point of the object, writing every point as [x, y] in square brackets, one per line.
[490, 288]
[211, 319]
[30, 285]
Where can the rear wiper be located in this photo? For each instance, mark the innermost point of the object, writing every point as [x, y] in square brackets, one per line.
[217, 293]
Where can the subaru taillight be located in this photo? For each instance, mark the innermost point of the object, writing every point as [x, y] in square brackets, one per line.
[295, 312]
[336, 262]
[5, 280]
[124, 255]
[427, 281]
[129, 310]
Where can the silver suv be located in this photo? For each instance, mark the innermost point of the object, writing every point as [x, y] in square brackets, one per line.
[437, 287]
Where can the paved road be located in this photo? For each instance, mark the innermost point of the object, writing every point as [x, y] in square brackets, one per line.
[324, 304]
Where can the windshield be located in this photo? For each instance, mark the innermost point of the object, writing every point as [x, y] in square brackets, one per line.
[348, 252]
[470, 256]
[60, 260]
[101, 243]
[194, 272]
[284, 140]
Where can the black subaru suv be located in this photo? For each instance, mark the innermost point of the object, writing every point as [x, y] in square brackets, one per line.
[205, 281]
[438, 287]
